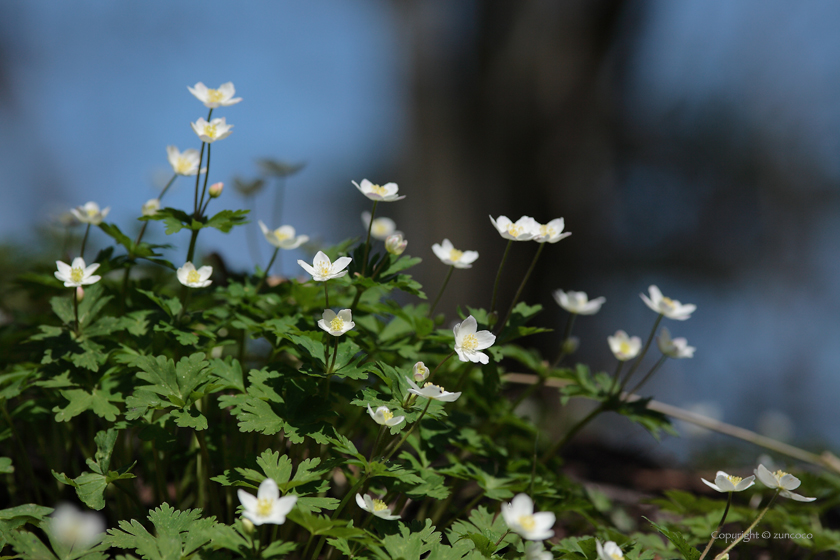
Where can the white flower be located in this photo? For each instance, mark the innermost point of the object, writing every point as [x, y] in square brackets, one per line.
[381, 228]
[183, 163]
[674, 348]
[336, 325]
[385, 193]
[74, 528]
[434, 392]
[452, 256]
[396, 244]
[209, 132]
[322, 269]
[552, 232]
[609, 551]
[151, 207]
[420, 371]
[212, 98]
[90, 213]
[468, 342]
[189, 276]
[384, 417]
[623, 347]
[671, 308]
[76, 274]
[783, 481]
[267, 506]
[729, 483]
[283, 237]
[525, 228]
[376, 507]
[520, 518]
[535, 551]
[578, 302]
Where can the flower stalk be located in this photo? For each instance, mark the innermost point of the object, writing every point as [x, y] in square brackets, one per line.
[502, 323]
[750, 528]
[719, 527]
[498, 277]
[440, 293]
[642, 353]
[367, 241]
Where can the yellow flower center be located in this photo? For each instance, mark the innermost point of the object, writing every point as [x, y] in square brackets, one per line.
[387, 414]
[455, 255]
[469, 343]
[193, 277]
[214, 95]
[183, 166]
[91, 212]
[546, 231]
[616, 556]
[281, 235]
[76, 274]
[379, 505]
[376, 189]
[324, 268]
[337, 324]
[734, 479]
[379, 228]
[430, 384]
[264, 507]
[527, 522]
[779, 474]
[210, 130]
[668, 301]
[624, 347]
[514, 230]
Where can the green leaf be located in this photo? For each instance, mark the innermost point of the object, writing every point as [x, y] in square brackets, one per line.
[6, 466]
[275, 466]
[688, 552]
[226, 219]
[178, 534]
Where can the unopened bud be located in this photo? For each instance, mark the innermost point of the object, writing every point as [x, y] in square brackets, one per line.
[395, 244]
[570, 345]
[216, 190]
[421, 372]
[248, 525]
[80, 293]
[151, 207]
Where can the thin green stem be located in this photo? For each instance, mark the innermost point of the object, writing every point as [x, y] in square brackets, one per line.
[440, 293]
[750, 528]
[376, 442]
[379, 266]
[268, 268]
[191, 250]
[498, 542]
[502, 324]
[499, 276]
[76, 311]
[567, 333]
[719, 527]
[198, 177]
[367, 241]
[326, 297]
[443, 361]
[200, 211]
[335, 353]
[84, 241]
[554, 449]
[359, 292]
[210, 490]
[408, 433]
[642, 354]
[644, 380]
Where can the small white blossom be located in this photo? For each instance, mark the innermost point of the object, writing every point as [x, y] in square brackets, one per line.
[552, 232]
[624, 347]
[90, 213]
[209, 132]
[420, 371]
[283, 237]
[671, 308]
[468, 342]
[76, 274]
[184, 163]
[396, 244]
[782, 481]
[336, 324]
[384, 193]
[729, 483]
[322, 269]
[578, 302]
[75, 529]
[376, 507]
[212, 98]
[452, 256]
[384, 417]
[151, 207]
[190, 277]
[267, 506]
[520, 518]
[429, 391]
[525, 228]
[535, 551]
[381, 227]
[674, 348]
[609, 551]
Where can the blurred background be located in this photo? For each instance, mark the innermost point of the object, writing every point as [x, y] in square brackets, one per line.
[693, 145]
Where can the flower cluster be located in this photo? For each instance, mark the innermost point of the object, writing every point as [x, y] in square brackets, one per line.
[527, 228]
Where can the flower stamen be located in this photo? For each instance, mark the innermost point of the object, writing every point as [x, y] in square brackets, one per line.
[193, 277]
[527, 522]
[455, 255]
[379, 505]
[76, 274]
[469, 343]
[337, 324]
[214, 95]
[264, 507]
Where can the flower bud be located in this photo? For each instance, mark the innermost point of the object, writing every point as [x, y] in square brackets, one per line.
[216, 190]
[80, 293]
[151, 207]
[421, 372]
[395, 244]
[570, 345]
[248, 525]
